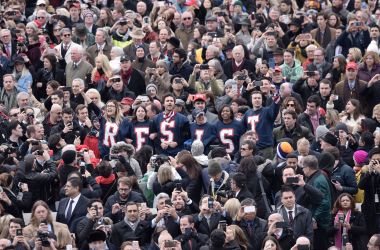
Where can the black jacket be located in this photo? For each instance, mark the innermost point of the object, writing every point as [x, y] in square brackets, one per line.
[357, 235]
[70, 136]
[370, 183]
[204, 228]
[302, 225]
[259, 232]
[121, 232]
[41, 182]
[133, 196]
[304, 120]
[197, 241]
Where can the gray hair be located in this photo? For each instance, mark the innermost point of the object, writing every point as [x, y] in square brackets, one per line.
[19, 95]
[311, 162]
[119, 51]
[81, 82]
[64, 30]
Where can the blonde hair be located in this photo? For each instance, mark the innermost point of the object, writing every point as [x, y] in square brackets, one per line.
[232, 207]
[106, 67]
[375, 109]
[100, 104]
[303, 142]
[118, 115]
[165, 174]
[356, 53]
[239, 236]
[33, 219]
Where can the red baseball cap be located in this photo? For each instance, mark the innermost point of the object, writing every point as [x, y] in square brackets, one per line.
[352, 65]
[198, 97]
[277, 68]
[127, 101]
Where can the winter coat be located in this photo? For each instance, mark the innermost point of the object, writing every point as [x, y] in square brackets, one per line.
[292, 74]
[345, 175]
[297, 133]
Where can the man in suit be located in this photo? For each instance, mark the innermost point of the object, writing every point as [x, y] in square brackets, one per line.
[323, 34]
[137, 35]
[298, 218]
[101, 45]
[72, 208]
[131, 228]
[77, 68]
[65, 48]
[9, 47]
[239, 187]
[190, 239]
[283, 233]
[208, 218]
[254, 228]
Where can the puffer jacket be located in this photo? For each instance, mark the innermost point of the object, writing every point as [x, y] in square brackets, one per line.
[294, 73]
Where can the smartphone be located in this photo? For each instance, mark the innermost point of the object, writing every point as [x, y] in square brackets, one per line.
[178, 80]
[143, 205]
[146, 19]
[212, 34]
[69, 124]
[358, 24]
[160, 3]
[336, 98]
[204, 66]
[82, 168]
[234, 88]
[333, 181]
[241, 77]
[292, 180]
[168, 202]
[253, 17]
[258, 83]
[281, 224]
[19, 232]
[210, 203]
[143, 98]
[341, 218]
[223, 225]
[250, 209]
[188, 231]
[178, 187]
[170, 243]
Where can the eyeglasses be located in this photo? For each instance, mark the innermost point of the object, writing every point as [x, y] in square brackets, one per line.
[41, 17]
[290, 105]
[116, 80]
[186, 18]
[66, 35]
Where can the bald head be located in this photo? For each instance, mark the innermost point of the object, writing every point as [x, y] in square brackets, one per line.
[273, 218]
[303, 241]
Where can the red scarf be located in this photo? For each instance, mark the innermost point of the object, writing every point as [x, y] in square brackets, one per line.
[169, 116]
[105, 181]
[338, 234]
[126, 75]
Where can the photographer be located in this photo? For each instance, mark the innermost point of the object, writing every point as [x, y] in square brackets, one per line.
[70, 128]
[124, 153]
[166, 215]
[40, 174]
[15, 234]
[115, 203]
[93, 220]
[206, 81]
[370, 183]
[280, 230]
[190, 239]
[255, 228]
[159, 76]
[307, 85]
[211, 212]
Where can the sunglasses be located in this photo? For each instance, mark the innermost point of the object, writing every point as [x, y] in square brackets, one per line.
[116, 80]
[67, 35]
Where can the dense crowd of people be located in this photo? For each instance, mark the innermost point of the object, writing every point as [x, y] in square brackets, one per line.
[190, 124]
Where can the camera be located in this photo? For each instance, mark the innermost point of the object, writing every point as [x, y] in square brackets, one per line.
[204, 66]
[10, 150]
[44, 238]
[157, 160]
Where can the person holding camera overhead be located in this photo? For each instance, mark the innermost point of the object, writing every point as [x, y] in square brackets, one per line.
[205, 81]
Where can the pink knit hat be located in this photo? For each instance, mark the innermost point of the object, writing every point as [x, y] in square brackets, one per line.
[360, 157]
